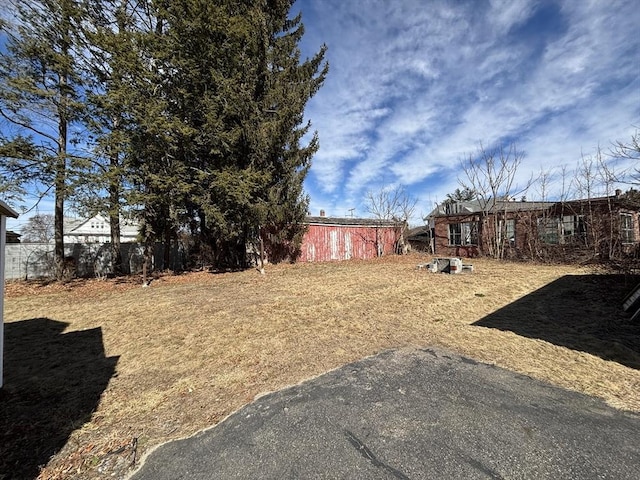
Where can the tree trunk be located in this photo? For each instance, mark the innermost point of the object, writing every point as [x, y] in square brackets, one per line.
[147, 264]
[58, 221]
[60, 189]
[114, 224]
[61, 160]
[166, 258]
[260, 232]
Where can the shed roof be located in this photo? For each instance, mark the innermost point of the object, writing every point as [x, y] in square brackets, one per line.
[418, 231]
[350, 222]
[7, 211]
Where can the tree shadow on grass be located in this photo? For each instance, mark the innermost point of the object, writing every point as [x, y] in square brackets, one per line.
[52, 385]
[581, 312]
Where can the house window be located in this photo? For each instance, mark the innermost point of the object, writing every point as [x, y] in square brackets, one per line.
[574, 229]
[507, 228]
[548, 230]
[465, 233]
[563, 230]
[510, 230]
[627, 235]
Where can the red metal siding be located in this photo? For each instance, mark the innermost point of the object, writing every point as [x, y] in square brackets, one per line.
[323, 243]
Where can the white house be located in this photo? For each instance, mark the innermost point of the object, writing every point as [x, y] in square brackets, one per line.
[97, 230]
[5, 211]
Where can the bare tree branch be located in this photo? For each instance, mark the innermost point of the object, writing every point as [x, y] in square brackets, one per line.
[395, 205]
[391, 204]
[491, 174]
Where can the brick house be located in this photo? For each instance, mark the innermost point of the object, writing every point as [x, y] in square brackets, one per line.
[605, 226]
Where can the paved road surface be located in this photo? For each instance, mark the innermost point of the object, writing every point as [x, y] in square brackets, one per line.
[411, 414]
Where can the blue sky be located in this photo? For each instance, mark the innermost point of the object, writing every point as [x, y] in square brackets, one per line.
[414, 86]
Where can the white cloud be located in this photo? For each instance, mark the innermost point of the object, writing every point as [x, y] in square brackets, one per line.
[448, 76]
[506, 14]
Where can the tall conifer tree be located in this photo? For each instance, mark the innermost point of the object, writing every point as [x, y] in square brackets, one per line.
[288, 85]
[39, 99]
[111, 64]
[240, 91]
[196, 106]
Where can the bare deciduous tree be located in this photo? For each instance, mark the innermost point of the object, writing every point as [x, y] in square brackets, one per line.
[630, 151]
[585, 218]
[491, 174]
[595, 177]
[396, 205]
[39, 229]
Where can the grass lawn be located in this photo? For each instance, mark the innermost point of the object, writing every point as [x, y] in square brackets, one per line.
[98, 372]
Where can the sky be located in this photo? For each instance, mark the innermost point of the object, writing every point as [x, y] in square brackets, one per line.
[416, 86]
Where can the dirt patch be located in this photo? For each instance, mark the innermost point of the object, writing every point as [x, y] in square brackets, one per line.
[192, 348]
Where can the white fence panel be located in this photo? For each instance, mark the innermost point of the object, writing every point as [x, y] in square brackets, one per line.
[28, 261]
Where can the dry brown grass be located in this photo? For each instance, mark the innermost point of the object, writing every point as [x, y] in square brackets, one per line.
[193, 348]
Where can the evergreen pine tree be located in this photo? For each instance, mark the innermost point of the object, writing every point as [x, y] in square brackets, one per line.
[241, 95]
[39, 99]
[288, 85]
[111, 62]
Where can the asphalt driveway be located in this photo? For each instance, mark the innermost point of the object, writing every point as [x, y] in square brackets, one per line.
[411, 414]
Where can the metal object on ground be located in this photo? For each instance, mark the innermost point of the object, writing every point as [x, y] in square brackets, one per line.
[446, 265]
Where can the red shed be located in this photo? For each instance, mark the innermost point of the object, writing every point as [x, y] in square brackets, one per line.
[330, 238]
